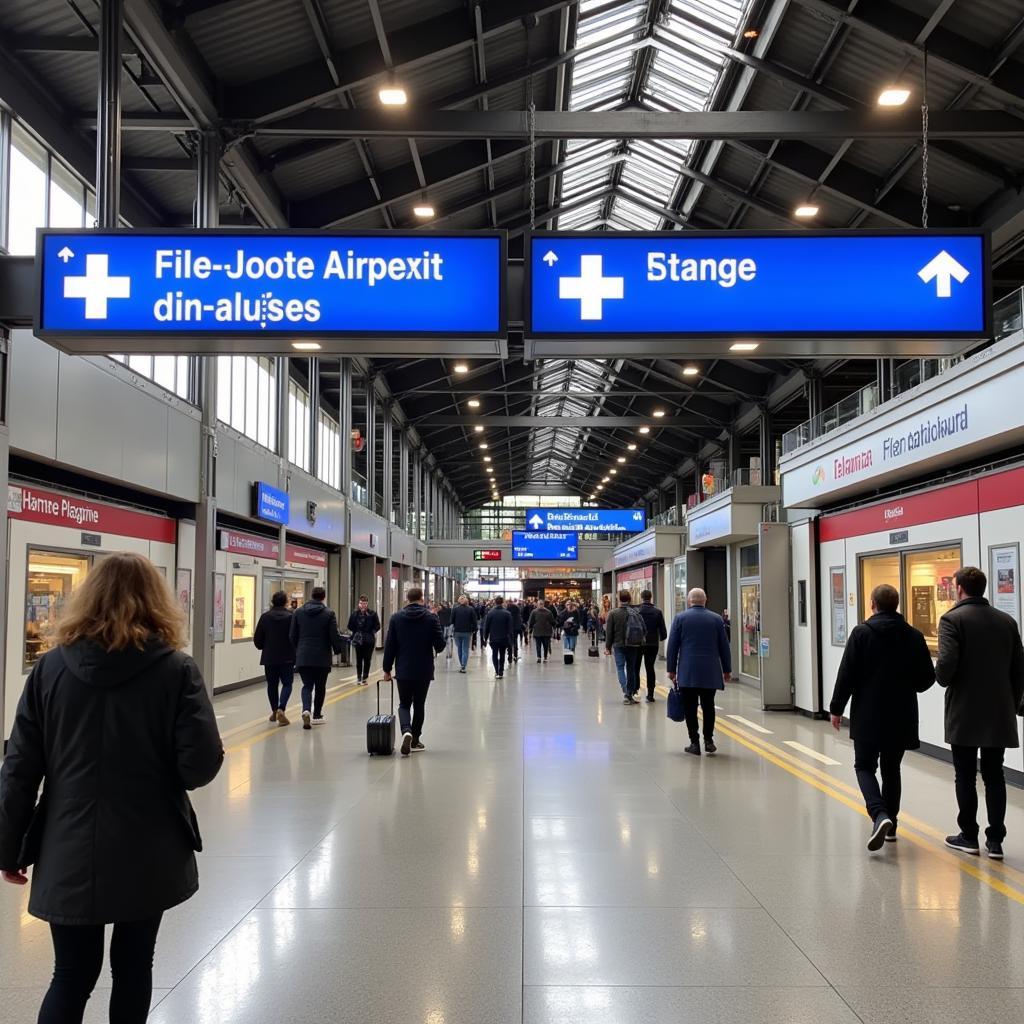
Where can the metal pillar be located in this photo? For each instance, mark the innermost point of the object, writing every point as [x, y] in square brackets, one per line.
[281, 378]
[345, 476]
[108, 116]
[765, 447]
[404, 482]
[417, 494]
[388, 464]
[371, 443]
[314, 417]
[207, 207]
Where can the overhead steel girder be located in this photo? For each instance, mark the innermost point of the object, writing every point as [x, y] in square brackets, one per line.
[895, 25]
[642, 124]
[297, 88]
[541, 422]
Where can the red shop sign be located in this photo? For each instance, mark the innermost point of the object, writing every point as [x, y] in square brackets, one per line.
[38, 506]
[265, 547]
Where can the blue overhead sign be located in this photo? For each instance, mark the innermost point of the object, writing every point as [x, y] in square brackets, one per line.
[783, 284]
[588, 520]
[528, 546]
[270, 503]
[247, 283]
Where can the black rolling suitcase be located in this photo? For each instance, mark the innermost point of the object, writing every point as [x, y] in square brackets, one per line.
[568, 657]
[380, 729]
[592, 650]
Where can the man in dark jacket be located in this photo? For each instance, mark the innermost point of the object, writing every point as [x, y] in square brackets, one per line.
[414, 637]
[981, 665]
[885, 666]
[498, 631]
[656, 632]
[464, 628]
[273, 639]
[364, 625]
[699, 664]
[516, 611]
[624, 637]
[315, 637]
[542, 628]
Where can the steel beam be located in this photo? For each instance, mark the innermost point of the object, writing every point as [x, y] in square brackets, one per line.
[641, 124]
[540, 422]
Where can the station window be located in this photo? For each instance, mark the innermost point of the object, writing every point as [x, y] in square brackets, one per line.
[924, 579]
[247, 397]
[328, 451]
[243, 607]
[171, 372]
[51, 577]
[298, 590]
[26, 200]
[298, 425]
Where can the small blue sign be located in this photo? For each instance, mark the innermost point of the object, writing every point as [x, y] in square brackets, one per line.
[528, 546]
[587, 520]
[784, 284]
[271, 504]
[245, 283]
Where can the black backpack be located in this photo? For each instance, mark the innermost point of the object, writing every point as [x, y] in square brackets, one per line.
[636, 631]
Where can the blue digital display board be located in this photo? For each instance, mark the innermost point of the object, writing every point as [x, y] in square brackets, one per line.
[587, 520]
[528, 546]
[270, 503]
[783, 284]
[245, 283]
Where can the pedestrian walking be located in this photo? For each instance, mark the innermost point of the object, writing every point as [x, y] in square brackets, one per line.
[654, 620]
[981, 665]
[414, 637]
[315, 637]
[542, 626]
[116, 725]
[570, 623]
[498, 632]
[516, 611]
[363, 625]
[885, 666]
[272, 638]
[444, 616]
[464, 629]
[624, 637]
[699, 664]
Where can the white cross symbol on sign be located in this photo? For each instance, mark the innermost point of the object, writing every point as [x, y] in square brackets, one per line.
[97, 286]
[591, 288]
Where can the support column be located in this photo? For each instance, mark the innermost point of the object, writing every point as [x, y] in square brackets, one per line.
[371, 444]
[417, 493]
[403, 473]
[765, 447]
[389, 469]
[108, 116]
[207, 215]
[680, 498]
[345, 425]
[281, 378]
[314, 416]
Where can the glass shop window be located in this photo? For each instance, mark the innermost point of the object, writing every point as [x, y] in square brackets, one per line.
[243, 607]
[51, 578]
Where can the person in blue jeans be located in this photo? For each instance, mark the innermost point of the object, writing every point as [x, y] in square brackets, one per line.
[464, 627]
[272, 638]
[624, 637]
[570, 622]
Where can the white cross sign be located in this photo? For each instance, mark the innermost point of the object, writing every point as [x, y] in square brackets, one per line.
[591, 288]
[97, 286]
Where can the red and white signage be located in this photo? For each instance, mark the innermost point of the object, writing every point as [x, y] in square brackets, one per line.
[35, 505]
[237, 543]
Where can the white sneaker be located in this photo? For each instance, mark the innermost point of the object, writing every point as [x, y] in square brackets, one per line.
[319, 719]
[306, 720]
[406, 744]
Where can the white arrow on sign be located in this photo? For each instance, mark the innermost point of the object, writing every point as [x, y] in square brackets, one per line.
[536, 522]
[65, 254]
[550, 258]
[942, 270]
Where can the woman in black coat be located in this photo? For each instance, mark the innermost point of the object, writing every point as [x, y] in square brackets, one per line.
[364, 625]
[277, 656]
[117, 723]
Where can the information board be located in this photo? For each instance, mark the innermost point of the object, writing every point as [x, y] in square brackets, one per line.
[530, 546]
[304, 285]
[270, 504]
[487, 555]
[587, 520]
[783, 284]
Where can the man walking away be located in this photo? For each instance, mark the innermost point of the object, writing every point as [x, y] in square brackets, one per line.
[699, 664]
[516, 612]
[315, 637]
[364, 625]
[464, 628]
[444, 616]
[624, 637]
[885, 666]
[981, 664]
[656, 632]
[498, 631]
[414, 637]
[277, 656]
[542, 627]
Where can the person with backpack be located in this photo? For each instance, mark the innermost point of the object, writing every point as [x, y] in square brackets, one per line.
[277, 656]
[656, 632]
[624, 637]
[570, 622]
[364, 625]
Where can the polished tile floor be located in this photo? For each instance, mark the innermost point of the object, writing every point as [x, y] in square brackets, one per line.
[554, 858]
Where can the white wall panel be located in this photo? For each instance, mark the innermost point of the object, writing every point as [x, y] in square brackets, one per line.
[33, 395]
[805, 637]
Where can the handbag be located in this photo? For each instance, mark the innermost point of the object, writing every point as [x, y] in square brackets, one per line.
[674, 705]
[357, 639]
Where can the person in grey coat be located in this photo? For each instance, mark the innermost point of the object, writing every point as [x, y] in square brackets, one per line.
[981, 666]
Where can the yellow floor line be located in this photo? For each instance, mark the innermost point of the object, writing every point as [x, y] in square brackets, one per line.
[908, 825]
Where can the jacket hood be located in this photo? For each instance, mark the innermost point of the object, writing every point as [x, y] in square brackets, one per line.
[315, 608]
[416, 611]
[885, 621]
[105, 669]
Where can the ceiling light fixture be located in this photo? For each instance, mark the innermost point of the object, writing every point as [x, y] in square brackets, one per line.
[460, 368]
[479, 428]
[392, 96]
[691, 371]
[605, 479]
[631, 447]
[424, 211]
[490, 469]
[893, 96]
[743, 346]
[621, 458]
[806, 211]
[484, 446]
[306, 346]
[645, 430]
[600, 487]
[658, 413]
[487, 458]
[751, 33]
[613, 471]
[474, 403]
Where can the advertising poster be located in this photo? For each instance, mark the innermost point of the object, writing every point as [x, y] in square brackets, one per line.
[837, 590]
[184, 590]
[1004, 579]
[218, 607]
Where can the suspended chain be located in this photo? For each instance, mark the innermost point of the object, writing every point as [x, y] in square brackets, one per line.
[924, 146]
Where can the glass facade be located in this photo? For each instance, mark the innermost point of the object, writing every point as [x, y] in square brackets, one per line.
[247, 397]
[51, 577]
[243, 607]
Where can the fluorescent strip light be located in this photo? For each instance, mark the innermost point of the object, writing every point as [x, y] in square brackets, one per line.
[392, 96]
[743, 346]
[424, 211]
[806, 210]
[893, 96]
[306, 346]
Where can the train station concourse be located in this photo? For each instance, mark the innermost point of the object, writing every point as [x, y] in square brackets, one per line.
[514, 511]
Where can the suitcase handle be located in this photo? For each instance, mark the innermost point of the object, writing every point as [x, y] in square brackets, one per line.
[379, 681]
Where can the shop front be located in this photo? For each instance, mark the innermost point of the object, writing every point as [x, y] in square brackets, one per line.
[54, 540]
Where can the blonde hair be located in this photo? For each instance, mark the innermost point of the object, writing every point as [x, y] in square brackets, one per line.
[124, 601]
